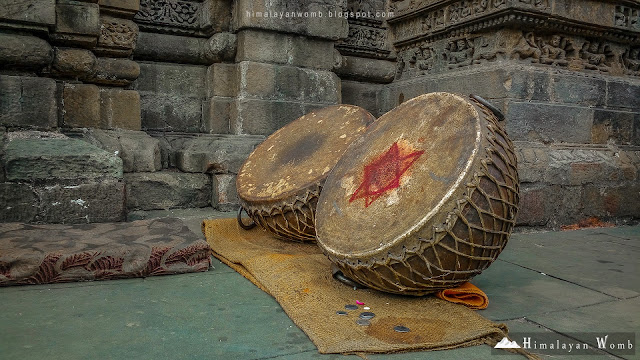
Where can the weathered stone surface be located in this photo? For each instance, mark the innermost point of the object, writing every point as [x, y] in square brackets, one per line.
[122, 8]
[361, 94]
[545, 122]
[623, 94]
[28, 102]
[579, 90]
[317, 19]
[216, 16]
[270, 47]
[19, 202]
[118, 72]
[24, 51]
[225, 196]
[613, 126]
[37, 13]
[76, 23]
[81, 105]
[216, 117]
[117, 37]
[362, 69]
[532, 205]
[120, 109]
[214, 154]
[222, 80]
[170, 144]
[530, 85]
[75, 63]
[263, 117]
[84, 203]
[173, 79]
[52, 159]
[162, 112]
[167, 190]
[185, 49]
[139, 151]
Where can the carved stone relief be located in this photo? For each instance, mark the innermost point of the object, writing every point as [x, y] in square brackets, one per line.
[117, 33]
[627, 17]
[169, 12]
[631, 61]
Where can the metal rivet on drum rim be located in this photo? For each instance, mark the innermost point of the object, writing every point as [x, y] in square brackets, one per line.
[351, 307]
[367, 315]
[401, 329]
[340, 312]
[363, 322]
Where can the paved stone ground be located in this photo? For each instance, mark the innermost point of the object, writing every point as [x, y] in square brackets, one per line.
[548, 282]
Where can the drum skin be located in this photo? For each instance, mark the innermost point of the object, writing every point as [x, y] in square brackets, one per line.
[425, 200]
[279, 183]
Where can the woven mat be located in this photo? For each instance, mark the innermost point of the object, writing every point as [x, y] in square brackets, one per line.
[299, 277]
[52, 253]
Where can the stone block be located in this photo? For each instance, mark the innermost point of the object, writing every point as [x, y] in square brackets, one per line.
[316, 19]
[170, 144]
[225, 195]
[167, 190]
[313, 53]
[361, 94]
[591, 11]
[19, 202]
[24, 51]
[81, 105]
[77, 23]
[363, 69]
[221, 47]
[620, 200]
[216, 16]
[117, 37]
[321, 87]
[263, 117]
[120, 109]
[222, 80]
[172, 79]
[37, 13]
[58, 159]
[580, 90]
[623, 94]
[217, 155]
[492, 84]
[84, 203]
[139, 151]
[528, 85]
[531, 210]
[257, 80]
[216, 115]
[542, 122]
[262, 46]
[533, 162]
[74, 63]
[162, 112]
[28, 102]
[122, 8]
[115, 72]
[635, 138]
[613, 126]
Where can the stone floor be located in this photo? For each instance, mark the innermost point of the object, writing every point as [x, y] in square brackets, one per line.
[556, 283]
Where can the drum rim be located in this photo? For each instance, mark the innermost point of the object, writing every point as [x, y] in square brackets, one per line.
[371, 255]
[301, 191]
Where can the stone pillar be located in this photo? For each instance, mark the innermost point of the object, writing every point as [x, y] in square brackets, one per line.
[566, 75]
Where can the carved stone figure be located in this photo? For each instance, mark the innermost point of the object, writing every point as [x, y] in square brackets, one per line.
[594, 55]
[631, 61]
[486, 50]
[480, 6]
[424, 59]
[526, 48]
[459, 53]
[553, 51]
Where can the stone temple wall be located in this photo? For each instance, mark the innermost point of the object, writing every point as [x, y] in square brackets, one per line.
[109, 107]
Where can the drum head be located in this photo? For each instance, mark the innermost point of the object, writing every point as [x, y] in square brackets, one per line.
[300, 154]
[395, 178]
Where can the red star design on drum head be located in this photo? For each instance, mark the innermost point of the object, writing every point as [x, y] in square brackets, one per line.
[384, 173]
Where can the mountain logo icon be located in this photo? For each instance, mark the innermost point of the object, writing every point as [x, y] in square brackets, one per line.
[505, 343]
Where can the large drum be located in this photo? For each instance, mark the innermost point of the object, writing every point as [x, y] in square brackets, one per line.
[425, 200]
[279, 183]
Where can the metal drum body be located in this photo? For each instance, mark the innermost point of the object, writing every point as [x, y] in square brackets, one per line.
[425, 200]
[279, 183]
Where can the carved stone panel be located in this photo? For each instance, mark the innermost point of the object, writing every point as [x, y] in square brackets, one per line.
[117, 37]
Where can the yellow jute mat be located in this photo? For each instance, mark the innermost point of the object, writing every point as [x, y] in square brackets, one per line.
[299, 277]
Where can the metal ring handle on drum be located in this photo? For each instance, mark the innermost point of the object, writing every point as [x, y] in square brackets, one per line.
[489, 106]
[242, 225]
[338, 275]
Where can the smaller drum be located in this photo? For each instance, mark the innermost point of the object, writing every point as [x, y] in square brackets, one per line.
[425, 200]
[279, 183]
